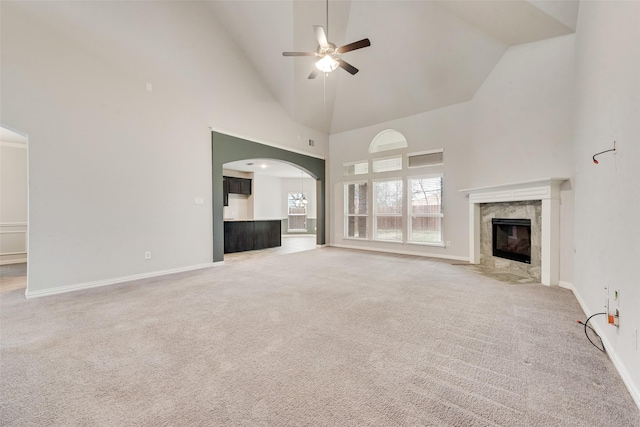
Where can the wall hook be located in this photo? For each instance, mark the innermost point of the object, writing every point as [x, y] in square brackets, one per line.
[605, 151]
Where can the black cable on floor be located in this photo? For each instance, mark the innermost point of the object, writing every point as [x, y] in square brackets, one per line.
[586, 325]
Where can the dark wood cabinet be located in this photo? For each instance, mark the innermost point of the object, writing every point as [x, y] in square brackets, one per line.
[237, 185]
[225, 191]
[242, 236]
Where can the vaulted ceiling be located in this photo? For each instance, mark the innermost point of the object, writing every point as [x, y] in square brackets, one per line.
[424, 55]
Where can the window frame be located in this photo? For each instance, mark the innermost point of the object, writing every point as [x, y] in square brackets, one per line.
[411, 215]
[289, 214]
[422, 153]
[360, 162]
[376, 159]
[347, 215]
[375, 215]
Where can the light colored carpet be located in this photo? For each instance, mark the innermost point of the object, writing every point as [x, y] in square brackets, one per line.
[327, 337]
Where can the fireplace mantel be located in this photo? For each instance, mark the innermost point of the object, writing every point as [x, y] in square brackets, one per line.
[547, 190]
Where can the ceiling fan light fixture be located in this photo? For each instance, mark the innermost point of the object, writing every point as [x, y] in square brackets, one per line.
[327, 64]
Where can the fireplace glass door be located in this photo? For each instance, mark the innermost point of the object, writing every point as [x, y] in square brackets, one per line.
[512, 239]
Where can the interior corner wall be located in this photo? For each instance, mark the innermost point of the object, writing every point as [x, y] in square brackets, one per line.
[522, 126]
[607, 200]
[119, 133]
[517, 127]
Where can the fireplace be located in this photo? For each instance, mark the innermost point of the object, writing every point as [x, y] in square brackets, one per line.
[512, 239]
[545, 223]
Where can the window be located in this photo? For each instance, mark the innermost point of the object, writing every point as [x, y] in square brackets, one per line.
[388, 210]
[297, 220]
[427, 158]
[356, 210]
[386, 140]
[387, 164]
[357, 168]
[425, 209]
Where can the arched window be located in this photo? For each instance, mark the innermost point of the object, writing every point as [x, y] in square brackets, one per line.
[386, 140]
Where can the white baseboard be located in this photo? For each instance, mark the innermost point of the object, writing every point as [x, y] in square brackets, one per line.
[99, 283]
[611, 352]
[13, 261]
[567, 285]
[454, 258]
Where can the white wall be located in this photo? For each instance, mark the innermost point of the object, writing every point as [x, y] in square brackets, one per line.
[607, 199]
[267, 197]
[446, 128]
[522, 126]
[297, 185]
[114, 167]
[517, 127]
[13, 202]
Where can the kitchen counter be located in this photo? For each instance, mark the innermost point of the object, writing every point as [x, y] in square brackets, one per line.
[247, 235]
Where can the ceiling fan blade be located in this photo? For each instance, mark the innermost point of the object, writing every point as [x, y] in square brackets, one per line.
[353, 46]
[348, 67]
[321, 36]
[299, 54]
[313, 74]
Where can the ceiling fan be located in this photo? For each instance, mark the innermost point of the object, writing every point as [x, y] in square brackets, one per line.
[328, 54]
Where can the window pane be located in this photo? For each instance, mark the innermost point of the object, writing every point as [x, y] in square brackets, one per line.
[425, 224]
[389, 228]
[429, 159]
[357, 226]
[426, 229]
[388, 210]
[356, 168]
[386, 165]
[388, 197]
[426, 195]
[357, 199]
[356, 208]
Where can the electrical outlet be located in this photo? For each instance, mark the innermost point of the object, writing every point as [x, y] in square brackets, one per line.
[147, 255]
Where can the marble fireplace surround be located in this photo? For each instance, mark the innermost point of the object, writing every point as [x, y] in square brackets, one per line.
[547, 190]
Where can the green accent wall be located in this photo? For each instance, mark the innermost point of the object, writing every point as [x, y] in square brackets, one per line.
[226, 148]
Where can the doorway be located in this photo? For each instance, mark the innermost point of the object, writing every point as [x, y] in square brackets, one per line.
[226, 149]
[13, 209]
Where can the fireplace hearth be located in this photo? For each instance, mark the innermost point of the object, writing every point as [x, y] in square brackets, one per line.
[512, 239]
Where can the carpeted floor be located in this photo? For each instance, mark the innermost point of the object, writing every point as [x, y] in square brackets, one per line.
[327, 337]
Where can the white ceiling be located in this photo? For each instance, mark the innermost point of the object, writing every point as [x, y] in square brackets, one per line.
[267, 167]
[424, 55]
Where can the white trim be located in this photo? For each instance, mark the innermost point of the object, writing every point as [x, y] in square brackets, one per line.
[547, 190]
[370, 249]
[99, 283]
[13, 224]
[611, 352]
[13, 261]
[382, 159]
[566, 285]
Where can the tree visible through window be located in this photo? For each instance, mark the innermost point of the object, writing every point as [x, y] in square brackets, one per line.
[356, 210]
[425, 209]
[388, 210]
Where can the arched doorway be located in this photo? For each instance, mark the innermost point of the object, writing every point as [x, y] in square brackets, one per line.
[226, 148]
